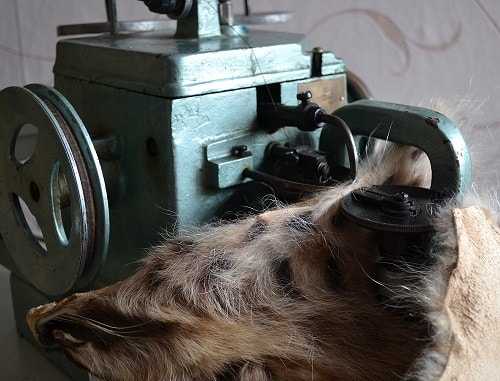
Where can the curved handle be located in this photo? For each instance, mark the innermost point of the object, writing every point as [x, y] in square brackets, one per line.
[419, 127]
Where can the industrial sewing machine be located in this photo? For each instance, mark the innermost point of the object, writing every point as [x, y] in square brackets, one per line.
[163, 129]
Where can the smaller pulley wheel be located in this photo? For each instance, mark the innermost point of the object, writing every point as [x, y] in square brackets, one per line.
[55, 218]
[392, 208]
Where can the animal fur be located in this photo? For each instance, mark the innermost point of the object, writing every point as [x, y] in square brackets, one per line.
[289, 294]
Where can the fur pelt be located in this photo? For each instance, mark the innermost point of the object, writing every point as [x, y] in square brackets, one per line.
[289, 294]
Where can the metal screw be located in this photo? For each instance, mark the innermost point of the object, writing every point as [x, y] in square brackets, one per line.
[304, 97]
[239, 151]
[432, 122]
[317, 62]
[401, 196]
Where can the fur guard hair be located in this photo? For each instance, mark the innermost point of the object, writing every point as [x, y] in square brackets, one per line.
[289, 294]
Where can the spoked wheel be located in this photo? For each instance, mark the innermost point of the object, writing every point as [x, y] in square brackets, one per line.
[58, 186]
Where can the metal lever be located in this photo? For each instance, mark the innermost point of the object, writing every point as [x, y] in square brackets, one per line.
[397, 204]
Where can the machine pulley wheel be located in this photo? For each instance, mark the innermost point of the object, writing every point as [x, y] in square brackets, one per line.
[393, 208]
[55, 217]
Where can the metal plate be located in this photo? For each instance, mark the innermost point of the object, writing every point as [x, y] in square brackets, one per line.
[328, 93]
[56, 174]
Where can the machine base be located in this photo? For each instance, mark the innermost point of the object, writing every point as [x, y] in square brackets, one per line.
[25, 297]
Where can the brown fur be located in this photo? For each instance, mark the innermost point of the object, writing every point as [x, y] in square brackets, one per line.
[290, 294]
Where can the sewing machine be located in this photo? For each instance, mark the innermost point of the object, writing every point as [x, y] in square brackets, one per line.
[147, 131]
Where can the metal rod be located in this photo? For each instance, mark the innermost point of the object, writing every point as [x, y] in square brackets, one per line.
[111, 15]
[280, 183]
[352, 152]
